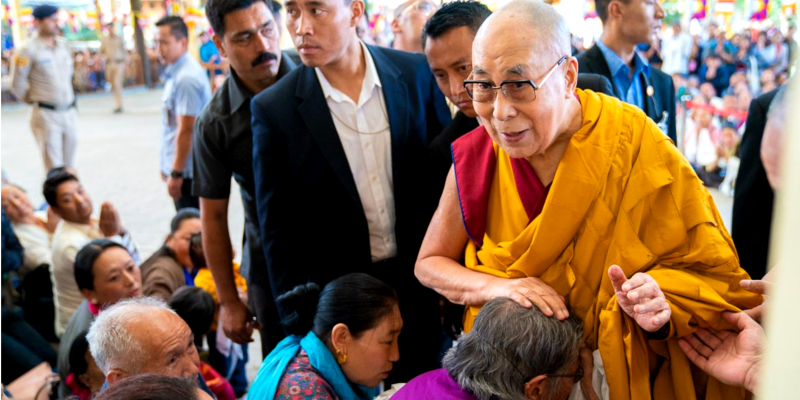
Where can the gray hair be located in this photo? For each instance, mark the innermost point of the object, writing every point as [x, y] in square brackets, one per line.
[550, 26]
[510, 345]
[111, 343]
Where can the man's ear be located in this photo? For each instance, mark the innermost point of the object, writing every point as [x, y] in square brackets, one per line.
[218, 42]
[614, 9]
[357, 9]
[115, 375]
[571, 76]
[536, 387]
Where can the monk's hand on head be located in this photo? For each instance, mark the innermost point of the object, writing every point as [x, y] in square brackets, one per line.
[532, 291]
[641, 298]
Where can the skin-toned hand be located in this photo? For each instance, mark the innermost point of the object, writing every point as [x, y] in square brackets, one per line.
[587, 364]
[174, 187]
[238, 322]
[532, 291]
[109, 220]
[732, 358]
[761, 287]
[641, 298]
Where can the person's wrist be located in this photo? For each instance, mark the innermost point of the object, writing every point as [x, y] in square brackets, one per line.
[176, 174]
[751, 378]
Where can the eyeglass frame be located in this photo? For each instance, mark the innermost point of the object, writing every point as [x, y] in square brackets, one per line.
[500, 86]
[577, 376]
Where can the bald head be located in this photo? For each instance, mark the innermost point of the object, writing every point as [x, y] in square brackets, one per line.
[773, 139]
[534, 23]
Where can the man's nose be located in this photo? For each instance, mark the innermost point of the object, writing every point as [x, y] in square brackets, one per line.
[503, 108]
[456, 87]
[304, 26]
[659, 10]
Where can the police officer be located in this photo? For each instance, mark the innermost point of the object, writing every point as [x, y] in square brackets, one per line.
[112, 47]
[42, 77]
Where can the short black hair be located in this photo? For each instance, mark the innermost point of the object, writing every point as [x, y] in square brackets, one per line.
[182, 215]
[84, 261]
[216, 10]
[453, 15]
[54, 179]
[77, 357]
[601, 8]
[177, 28]
[196, 307]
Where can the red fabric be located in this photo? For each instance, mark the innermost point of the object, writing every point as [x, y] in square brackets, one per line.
[94, 309]
[218, 385]
[76, 389]
[474, 163]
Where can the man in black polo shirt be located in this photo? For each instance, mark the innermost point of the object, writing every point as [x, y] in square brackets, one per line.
[246, 33]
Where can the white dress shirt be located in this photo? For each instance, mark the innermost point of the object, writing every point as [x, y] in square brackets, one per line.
[363, 130]
[35, 240]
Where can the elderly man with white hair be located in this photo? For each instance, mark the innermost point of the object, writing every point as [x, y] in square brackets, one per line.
[143, 335]
[577, 203]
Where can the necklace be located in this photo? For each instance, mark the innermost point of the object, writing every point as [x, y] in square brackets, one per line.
[348, 126]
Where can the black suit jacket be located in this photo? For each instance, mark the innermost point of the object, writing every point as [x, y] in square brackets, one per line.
[311, 219]
[662, 100]
[754, 197]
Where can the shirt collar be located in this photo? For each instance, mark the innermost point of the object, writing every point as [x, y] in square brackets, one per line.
[371, 79]
[172, 68]
[615, 63]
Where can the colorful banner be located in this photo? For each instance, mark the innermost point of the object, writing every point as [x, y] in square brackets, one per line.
[762, 10]
[699, 9]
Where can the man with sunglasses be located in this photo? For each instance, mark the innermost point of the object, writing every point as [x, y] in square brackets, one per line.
[576, 203]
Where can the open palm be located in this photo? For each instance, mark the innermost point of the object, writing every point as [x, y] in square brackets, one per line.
[733, 358]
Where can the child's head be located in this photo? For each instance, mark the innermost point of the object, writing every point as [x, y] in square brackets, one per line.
[196, 307]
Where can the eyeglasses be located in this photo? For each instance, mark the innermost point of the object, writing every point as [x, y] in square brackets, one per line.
[425, 7]
[577, 376]
[516, 91]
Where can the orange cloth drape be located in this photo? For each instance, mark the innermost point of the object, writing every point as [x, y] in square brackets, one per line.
[622, 194]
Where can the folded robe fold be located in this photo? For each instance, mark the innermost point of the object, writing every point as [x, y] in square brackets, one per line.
[622, 194]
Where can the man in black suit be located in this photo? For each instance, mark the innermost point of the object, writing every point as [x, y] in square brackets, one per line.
[754, 198]
[340, 157]
[627, 23]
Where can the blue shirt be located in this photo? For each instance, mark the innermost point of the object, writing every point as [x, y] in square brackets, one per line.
[207, 51]
[627, 86]
[186, 92]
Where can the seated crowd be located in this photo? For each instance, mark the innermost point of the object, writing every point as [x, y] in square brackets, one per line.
[573, 252]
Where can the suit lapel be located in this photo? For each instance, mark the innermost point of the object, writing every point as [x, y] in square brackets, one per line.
[601, 67]
[649, 101]
[395, 93]
[317, 117]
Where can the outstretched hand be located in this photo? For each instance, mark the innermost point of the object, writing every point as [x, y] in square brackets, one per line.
[641, 298]
[732, 358]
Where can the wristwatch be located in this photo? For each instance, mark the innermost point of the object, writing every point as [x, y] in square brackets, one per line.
[176, 174]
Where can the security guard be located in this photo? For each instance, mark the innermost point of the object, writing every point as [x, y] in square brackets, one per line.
[42, 77]
[112, 47]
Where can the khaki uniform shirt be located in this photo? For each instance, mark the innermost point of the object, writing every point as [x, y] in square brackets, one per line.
[113, 49]
[44, 74]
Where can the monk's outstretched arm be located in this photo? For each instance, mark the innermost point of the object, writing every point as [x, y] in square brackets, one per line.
[438, 265]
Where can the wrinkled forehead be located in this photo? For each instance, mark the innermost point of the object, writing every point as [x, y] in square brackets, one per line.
[511, 56]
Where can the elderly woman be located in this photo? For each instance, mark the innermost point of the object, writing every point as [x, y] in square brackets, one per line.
[514, 353]
[171, 268]
[105, 273]
[577, 203]
[343, 342]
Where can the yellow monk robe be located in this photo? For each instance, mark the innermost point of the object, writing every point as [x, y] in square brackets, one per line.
[622, 194]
